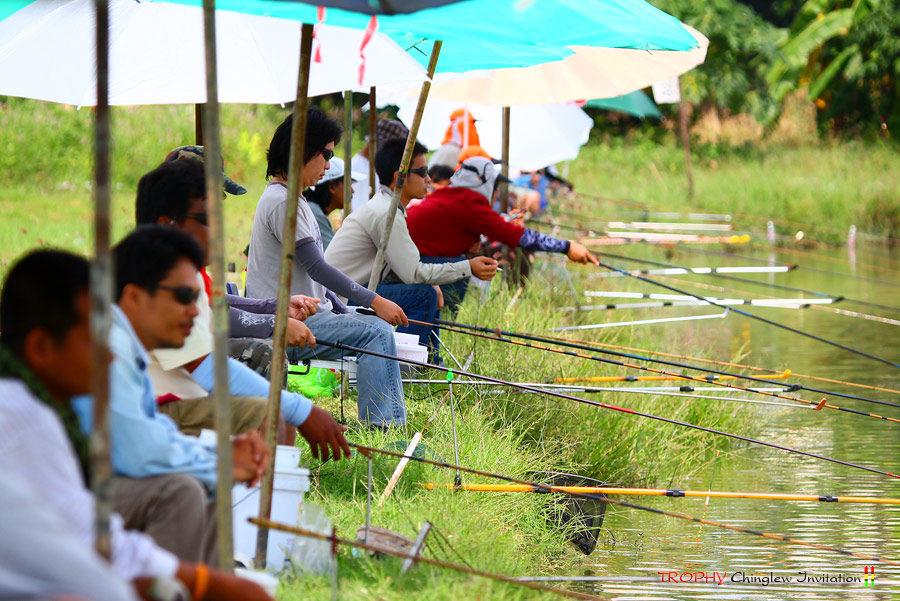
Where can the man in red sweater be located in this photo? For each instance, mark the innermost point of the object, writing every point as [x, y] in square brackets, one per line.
[451, 220]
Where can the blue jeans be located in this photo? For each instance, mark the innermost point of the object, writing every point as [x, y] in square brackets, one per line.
[380, 399]
[418, 301]
[454, 292]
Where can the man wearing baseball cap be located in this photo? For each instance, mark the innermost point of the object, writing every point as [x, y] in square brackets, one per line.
[328, 196]
[196, 152]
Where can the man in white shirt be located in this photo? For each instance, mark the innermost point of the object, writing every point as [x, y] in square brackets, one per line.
[406, 280]
[45, 360]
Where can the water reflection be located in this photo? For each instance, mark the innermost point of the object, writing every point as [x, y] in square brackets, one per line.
[638, 545]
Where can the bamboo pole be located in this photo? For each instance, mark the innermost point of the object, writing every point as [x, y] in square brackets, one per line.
[212, 164]
[504, 168]
[348, 149]
[375, 278]
[101, 289]
[298, 141]
[198, 124]
[373, 140]
[685, 140]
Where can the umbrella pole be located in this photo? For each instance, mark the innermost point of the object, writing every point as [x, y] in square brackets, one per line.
[685, 140]
[373, 122]
[298, 143]
[504, 168]
[348, 149]
[198, 124]
[375, 278]
[101, 289]
[222, 399]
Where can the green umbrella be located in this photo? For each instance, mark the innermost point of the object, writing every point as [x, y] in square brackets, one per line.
[637, 104]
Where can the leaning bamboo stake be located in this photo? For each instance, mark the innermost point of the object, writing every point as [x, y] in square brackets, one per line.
[348, 149]
[504, 168]
[212, 165]
[101, 289]
[373, 140]
[298, 141]
[375, 278]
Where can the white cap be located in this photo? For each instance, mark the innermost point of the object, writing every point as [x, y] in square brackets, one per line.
[336, 171]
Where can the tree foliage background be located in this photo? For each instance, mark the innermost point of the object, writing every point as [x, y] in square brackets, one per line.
[844, 54]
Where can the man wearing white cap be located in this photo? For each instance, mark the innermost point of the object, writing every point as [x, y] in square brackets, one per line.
[328, 196]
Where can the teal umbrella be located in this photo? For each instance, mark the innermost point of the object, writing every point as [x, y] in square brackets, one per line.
[490, 34]
[637, 104]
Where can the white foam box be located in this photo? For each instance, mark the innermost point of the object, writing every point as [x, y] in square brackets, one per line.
[408, 347]
[290, 485]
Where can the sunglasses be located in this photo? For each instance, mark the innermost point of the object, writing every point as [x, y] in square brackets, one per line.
[183, 294]
[327, 154]
[200, 218]
[421, 172]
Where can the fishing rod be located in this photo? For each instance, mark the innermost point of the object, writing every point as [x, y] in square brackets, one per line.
[760, 318]
[710, 378]
[497, 333]
[673, 514]
[685, 297]
[335, 541]
[704, 270]
[746, 281]
[778, 304]
[657, 391]
[722, 253]
[651, 238]
[643, 322]
[562, 226]
[671, 492]
[672, 227]
[817, 306]
[358, 350]
[738, 365]
[820, 405]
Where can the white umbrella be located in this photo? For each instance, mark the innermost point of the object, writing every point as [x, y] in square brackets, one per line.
[589, 73]
[156, 55]
[540, 135]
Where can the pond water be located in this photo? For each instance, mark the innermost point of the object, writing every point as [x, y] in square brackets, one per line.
[636, 546]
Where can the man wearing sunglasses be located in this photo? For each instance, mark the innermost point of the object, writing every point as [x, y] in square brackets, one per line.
[407, 281]
[451, 220]
[174, 195]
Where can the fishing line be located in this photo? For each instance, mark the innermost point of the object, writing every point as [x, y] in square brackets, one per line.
[358, 350]
[866, 316]
[548, 488]
[758, 318]
[756, 282]
[738, 365]
[496, 333]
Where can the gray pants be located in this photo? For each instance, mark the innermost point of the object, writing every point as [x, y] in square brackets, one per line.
[174, 510]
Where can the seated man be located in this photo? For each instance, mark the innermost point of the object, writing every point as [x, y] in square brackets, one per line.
[174, 195]
[385, 129]
[449, 221]
[380, 400]
[408, 282]
[45, 360]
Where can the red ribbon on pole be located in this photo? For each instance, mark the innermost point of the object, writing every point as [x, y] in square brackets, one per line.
[367, 37]
[320, 15]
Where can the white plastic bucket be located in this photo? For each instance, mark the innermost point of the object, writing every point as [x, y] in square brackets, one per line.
[291, 483]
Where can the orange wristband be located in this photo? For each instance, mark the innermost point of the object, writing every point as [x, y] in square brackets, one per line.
[201, 582]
